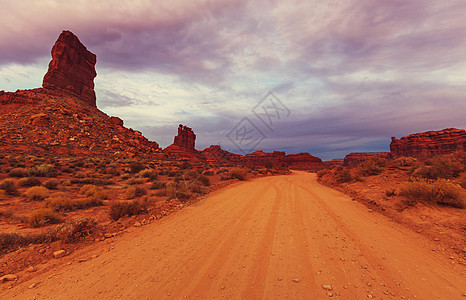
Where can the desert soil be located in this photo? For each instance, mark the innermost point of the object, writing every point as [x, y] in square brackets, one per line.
[282, 237]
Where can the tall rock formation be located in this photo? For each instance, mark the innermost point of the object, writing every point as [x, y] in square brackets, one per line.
[427, 144]
[185, 138]
[72, 68]
[355, 158]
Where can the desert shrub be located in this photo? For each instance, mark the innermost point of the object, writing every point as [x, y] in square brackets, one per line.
[74, 230]
[322, 172]
[462, 180]
[60, 202]
[435, 192]
[18, 172]
[136, 167]
[134, 192]
[28, 182]
[204, 180]
[92, 191]
[147, 173]
[372, 166]
[13, 240]
[156, 185]
[197, 188]
[37, 193]
[342, 175]
[208, 173]
[445, 166]
[390, 193]
[51, 184]
[135, 181]
[405, 161]
[43, 170]
[128, 208]
[42, 217]
[185, 165]
[238, 173]
[9, 187]
[172, 173]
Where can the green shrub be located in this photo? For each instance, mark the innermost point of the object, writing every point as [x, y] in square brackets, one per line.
[43, 170]
[435, 192]
[9, 187]
[129, 208]
[42, 217]
[37, 193]
[134, 192]
[18, 172]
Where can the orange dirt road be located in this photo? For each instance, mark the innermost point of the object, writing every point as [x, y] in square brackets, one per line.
[283, 237]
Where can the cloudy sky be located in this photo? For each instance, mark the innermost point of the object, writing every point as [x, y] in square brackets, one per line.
[347, 75]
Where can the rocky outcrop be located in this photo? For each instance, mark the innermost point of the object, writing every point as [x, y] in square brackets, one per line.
[427, 144]
[185, 138]
[215, 153]
[354, 159]
[62, 118]
[72, 68]
[304, 161]
[334, 162]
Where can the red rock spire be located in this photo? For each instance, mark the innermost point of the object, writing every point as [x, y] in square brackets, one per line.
[72, 68]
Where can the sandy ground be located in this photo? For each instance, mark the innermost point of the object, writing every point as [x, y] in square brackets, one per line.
[283, 237]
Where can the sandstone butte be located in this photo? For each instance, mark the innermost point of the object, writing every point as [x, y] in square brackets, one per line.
[422, 146]
[62, 117]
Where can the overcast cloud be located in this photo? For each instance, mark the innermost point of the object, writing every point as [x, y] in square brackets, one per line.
[352, 73]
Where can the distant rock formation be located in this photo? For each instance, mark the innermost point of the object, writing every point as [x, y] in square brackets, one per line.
[427, 144]
[334, 162]
[183, 147]
[354, 159]
[72, 68]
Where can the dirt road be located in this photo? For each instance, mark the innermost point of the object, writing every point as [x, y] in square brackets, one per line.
[284, 237]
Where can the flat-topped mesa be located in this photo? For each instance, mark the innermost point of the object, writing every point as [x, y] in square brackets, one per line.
[428, 144]
[185, 138]
[72, 68]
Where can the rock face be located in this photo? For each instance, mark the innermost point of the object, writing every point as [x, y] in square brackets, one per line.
[354, 159]
[72, 68]
[427, 144]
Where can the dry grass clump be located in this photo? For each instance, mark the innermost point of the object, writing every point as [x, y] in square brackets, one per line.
[440, 191]
[151, 175]
[128, 208]
[134, 192]
[28, 182]
[338, 175]
[42, 217]
[9, 187]
[37, 193]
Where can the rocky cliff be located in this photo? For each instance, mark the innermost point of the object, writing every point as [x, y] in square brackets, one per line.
[427, 144]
